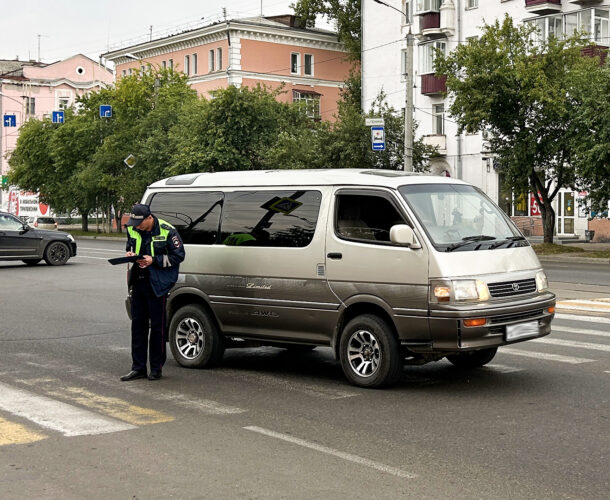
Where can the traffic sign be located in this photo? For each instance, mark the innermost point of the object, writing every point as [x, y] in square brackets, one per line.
[374, 122]
[4, 181]
[105, 111]
[130, 161]
[58, 116]
[378, 138]
[10, 121]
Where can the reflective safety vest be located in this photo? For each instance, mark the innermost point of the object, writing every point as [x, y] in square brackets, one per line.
[164, 233]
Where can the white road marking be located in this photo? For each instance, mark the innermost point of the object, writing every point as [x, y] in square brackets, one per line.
[55, 415]
[587, 319]
[504, 369]
[580, 331]
[100, 250]
[87, 257]
[335, 453]
[541, 355]
[573, 343]
[575, 307]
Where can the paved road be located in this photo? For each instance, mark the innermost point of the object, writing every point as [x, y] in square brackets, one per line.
[271, 424]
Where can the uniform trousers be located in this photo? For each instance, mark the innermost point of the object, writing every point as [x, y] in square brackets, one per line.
[147, 308]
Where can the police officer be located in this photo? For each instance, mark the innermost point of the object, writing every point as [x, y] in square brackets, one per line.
[160, 249]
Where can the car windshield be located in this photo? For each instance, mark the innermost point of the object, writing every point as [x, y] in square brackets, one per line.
[457, 216]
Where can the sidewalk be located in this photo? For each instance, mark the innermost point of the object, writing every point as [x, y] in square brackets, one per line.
[580, 257]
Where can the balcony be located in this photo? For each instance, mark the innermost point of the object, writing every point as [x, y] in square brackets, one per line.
[439, 142]
[543, 6]
[433, 85]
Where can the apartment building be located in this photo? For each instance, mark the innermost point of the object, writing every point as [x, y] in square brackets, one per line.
[443, 24]
[310, 63]
[34, 89]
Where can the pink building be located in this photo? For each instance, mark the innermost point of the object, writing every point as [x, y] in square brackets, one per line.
[311, 63]
[34, 89]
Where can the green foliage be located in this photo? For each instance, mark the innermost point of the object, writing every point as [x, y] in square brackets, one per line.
[346, 14]
[522, 92]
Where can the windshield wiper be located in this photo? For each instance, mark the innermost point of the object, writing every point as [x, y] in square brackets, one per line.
[510, 240]
[467, 240]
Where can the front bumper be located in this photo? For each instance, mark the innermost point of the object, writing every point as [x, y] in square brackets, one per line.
[448, 332]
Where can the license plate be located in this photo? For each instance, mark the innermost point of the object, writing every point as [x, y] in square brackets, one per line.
[522, 330]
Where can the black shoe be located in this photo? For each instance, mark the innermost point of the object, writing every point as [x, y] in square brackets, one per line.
[133, 375]
[154, 376]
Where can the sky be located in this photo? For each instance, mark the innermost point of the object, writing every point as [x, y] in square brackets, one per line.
[92, 27]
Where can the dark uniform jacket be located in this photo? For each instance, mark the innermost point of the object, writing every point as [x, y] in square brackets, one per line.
[167, 252]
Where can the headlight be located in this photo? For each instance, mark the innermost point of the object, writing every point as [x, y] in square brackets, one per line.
[458, 291]
[542, 283]
[71, 238]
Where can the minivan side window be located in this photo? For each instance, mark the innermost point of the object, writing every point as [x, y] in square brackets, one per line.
[365, 217]
[195, 215]
[270, 218]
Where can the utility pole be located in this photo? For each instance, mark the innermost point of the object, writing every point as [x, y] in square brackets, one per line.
[408, 151]
[408, 167]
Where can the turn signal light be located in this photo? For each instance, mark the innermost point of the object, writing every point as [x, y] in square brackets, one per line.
[551, 310]
[442, 293]
[475, 322]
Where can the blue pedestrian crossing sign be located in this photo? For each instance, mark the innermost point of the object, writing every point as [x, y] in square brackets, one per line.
[105, 111]
[378, 138]
[58, 116]
[10, 121]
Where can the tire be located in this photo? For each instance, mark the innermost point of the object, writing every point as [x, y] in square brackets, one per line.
[31, 262]
[369, 352]
[57, 253]
[194, 338]
[473, 359]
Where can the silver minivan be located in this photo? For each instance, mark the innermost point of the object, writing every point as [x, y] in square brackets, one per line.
[386, 268]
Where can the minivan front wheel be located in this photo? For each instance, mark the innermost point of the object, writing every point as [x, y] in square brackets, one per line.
[194, 338]
[369, 352]
[473, 359]
[56, 253]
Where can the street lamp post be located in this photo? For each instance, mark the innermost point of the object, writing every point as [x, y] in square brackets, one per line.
[408, 153]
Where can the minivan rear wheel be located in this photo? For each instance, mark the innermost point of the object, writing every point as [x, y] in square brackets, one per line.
[473, 359]
[194, 338]
[56, 253]
[369, 352]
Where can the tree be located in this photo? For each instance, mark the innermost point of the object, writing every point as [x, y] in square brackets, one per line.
[521, 89]
[346, 14]
[592, 159]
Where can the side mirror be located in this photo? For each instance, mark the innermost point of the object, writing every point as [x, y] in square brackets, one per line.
[24, 229]
[404, 235]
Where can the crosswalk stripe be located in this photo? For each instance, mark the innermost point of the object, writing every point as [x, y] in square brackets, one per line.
[64, 418]
[573, 343]
[587, 319]
[542, 355]
[580, 331]
[13, 433]
[113, 407]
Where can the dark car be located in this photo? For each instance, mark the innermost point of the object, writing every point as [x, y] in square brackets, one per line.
[18, 241]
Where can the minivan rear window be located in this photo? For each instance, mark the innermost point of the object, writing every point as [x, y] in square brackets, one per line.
[270, 218]
[195, 215]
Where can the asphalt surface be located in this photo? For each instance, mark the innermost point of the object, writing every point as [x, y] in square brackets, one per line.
[272, 424]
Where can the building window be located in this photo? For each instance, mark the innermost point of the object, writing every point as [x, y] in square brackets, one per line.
[142, 69]
[124, 72]
[30, 105]
[308, 64]
[211, 61]
[427, 53]
[164, 64]
[472, 4]
[194, 58]
[171, 64]
[219, 58]
[310, 102]
[130, 71]
[438, 119]
[295, 63]
[187, 65]
[64, 98]
[422, 6]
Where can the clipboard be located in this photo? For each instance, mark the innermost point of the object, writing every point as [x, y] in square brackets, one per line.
[124, 260]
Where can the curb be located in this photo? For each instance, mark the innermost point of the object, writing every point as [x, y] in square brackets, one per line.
[580, 260]
[102, 238]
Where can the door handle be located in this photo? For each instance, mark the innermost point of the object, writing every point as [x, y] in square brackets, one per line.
[335, 255]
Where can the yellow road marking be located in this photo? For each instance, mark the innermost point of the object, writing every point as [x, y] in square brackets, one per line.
[113, 407]
[12, 433]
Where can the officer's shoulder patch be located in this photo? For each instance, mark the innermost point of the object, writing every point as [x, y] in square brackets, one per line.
[176, 241]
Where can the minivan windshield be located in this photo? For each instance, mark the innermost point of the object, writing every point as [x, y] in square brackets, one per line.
[459, 217]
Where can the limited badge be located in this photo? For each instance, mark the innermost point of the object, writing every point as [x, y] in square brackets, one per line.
[176, 241]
